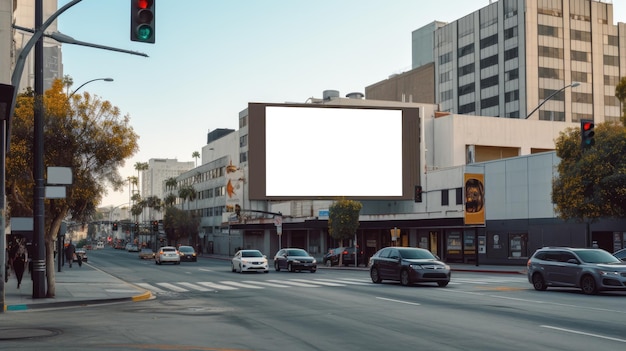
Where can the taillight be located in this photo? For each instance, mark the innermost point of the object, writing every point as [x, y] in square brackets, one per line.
[345, 252]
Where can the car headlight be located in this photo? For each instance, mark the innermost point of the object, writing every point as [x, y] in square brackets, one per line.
[609, 273]
[314, 261]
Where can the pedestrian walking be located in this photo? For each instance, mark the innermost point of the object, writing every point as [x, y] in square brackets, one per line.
[20, 260]
[70, 251]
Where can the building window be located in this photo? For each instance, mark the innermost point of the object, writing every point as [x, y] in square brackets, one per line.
[467, 69]
[467, 108]
[545, 115]
[466, 50]
[489, 102]
[550, 8]
[611, 60]
[488, 82]
[611, 80]
[511, 96]
[584, 98]
[544, 93]
[488, 15]
[580, 56]
[547, 51]
[446, 95]
[612, 40]
[459, 196]
[510, 33]
[549, 31]
[510, 54]
[580, 35]
[611, 101]
[488, 41]
[554, 73]
[489, 61]
[444, 77]
[512, 74]
[445, 197]
[513, 114]
[243, 140]
[582, 77]
[510, 8]
[445, 58]
[466, 89]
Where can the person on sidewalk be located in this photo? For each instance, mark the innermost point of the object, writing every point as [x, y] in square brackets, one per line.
[70, 251]
[20, 260]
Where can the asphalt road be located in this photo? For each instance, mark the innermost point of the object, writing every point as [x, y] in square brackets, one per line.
[204, 306]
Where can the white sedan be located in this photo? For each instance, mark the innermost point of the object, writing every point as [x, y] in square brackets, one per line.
[167, 254]
[249, 260]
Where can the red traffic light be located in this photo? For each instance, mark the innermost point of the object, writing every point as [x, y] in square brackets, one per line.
[587, 126]
[144, 4]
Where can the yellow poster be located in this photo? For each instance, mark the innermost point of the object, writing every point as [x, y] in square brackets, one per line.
[474, 188]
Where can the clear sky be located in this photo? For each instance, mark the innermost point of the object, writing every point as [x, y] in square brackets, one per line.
[212, 57]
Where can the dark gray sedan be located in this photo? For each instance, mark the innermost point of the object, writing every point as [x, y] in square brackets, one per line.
[408, 265]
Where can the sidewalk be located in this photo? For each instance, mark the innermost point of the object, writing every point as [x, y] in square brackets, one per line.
[75, 286]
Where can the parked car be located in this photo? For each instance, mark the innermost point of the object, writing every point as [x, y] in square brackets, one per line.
[294, 260]
[590, 270]
[132, 248]
[408, 265]
[249, 261]
[82, 253]
[146, 253]
[167, 254]
[187, 253]
[620, 254]
[332, 256]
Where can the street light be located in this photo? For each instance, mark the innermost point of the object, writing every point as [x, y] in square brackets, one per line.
[572, 85]
[87, 82]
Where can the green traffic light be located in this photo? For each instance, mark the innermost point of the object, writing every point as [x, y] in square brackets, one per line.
[144, 32]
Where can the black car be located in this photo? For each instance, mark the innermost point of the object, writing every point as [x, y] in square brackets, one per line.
[345, 253]
[294, 260]
[187, 253]
[408, 265]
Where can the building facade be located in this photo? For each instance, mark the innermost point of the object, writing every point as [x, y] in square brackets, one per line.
[508, 57]
[153, 179]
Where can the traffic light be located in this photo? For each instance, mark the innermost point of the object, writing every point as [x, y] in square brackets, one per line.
[114, 227]
[418, 193]
[155, 226]
[142, 21]
[587, 133]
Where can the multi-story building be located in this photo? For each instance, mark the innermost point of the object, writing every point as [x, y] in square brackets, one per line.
[508, 57]
[153, 179]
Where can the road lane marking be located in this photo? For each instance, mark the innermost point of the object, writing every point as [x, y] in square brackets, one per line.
[217, 286]
[316, 282]
[398, 301]
[341, 281]
[584, 333]
[240, 285]
[150, 287]
[273, 285]
[292, 283]
[172, 287]
[194, 286]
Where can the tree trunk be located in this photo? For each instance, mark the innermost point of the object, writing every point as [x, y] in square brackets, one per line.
[51, 236]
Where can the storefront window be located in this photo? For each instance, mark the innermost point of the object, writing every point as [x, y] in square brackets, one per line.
[454, 243]
[517, 245]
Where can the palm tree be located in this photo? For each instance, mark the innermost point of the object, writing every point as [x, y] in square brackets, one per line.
[188, 192]
[170, 199]
[140, 166]
[196, 155]
[171, 183]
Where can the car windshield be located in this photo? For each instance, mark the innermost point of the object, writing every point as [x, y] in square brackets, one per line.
[297, 253]
[596, 256]
[185, 249]
[417, 254]
[251, 254]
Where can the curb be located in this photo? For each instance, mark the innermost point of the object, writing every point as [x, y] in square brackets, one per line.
[147, 295]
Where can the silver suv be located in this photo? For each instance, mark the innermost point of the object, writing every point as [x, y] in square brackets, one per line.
[591, 270]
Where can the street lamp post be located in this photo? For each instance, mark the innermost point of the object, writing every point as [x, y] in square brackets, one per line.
[87, 82]
[572, 85]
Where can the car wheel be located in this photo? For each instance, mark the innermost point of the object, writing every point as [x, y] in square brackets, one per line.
[313, 270]
[232, 267]
[276, 266]
[177, 262]
[443, 284]
[266, 271]
[588, 285]
[404, 277]
[375, 275]
[290, 268]
[539, 283]
[328, 263]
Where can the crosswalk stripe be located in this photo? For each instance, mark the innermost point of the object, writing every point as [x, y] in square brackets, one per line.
[289, 282]
[217, 286]
[229, 282]
[349, 282]
[150, 287]
[194, 286]
[274, 285]
[172, 287]
[317, 282]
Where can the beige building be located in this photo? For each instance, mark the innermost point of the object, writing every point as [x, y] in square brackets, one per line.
[507, 58]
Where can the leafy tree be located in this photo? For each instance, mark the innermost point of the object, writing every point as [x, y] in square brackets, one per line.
[196, 155]
[620, 94]
[343, 220]
[188, 193]
[591, 184]
[178, 224]
[82, 132]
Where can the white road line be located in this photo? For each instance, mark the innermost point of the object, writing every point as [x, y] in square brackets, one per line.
[150, 287]
[345, 281]
[273, 285]
[305, 281]
[399, 301]
[172, 287]
[240, 285]
[194, 286]
[292, 283]
[584, 333]
[217, 286]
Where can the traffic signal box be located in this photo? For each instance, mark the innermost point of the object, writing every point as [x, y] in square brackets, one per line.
[142, 21]
[155, 226]
[587, 133]
[114, 227]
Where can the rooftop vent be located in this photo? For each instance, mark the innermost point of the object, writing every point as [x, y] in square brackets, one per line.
[355, 95]
[330, 94]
